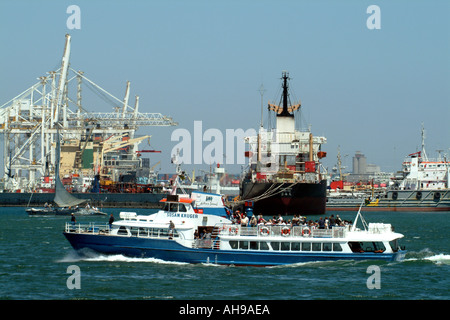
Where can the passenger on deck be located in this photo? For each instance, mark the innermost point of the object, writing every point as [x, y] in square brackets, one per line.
[244, 220]
[253, 221]
[280, 219]
[111, 220]
[261, 220]
[295, 220]
[332, 221]
[321, 223]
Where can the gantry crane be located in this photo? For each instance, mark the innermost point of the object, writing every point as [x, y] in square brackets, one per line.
[28, 120]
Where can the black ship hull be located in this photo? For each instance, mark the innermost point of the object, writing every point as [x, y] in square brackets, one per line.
[286, 198]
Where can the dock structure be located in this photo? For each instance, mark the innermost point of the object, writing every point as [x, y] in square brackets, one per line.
[28, 124]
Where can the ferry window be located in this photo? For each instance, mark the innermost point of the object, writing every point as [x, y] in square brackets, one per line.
[263, 246]
[253, 245]
[306, 246]
[243, 245]
[275, 245]
[182, 208]
[378, 247]
[326, 246]
[143, 232]
[355, 246]
[163, 232]
[166, 207]
[173, 207]
[122, 231]
[233, 244]
[373, 246]
[394, 245]
[134, 231]
[316, 246]
[285, 246]
[295, 246]
[337, 247]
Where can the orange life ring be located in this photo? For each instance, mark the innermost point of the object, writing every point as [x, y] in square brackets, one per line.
[285, 232]
[306, 232]
[264, 231]
[233, 231]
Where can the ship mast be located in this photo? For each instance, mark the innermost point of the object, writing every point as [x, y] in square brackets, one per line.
[285, 96]
[285, 110]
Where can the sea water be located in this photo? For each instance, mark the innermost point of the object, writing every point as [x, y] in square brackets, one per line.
[36, 262]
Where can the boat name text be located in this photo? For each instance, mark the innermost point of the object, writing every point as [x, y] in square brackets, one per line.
[182, 215]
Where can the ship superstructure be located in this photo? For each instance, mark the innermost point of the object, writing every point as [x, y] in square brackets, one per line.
[284, 164]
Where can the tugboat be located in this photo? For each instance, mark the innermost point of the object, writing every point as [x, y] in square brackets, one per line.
[284, 170]
[178, 233]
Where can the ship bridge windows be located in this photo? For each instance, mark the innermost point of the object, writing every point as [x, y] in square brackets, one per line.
[175, 207]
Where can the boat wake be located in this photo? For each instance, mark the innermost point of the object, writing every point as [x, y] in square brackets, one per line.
[428, 255]
[91, 256]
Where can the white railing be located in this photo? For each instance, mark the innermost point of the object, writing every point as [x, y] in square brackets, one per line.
[281, 230]
[87, 228]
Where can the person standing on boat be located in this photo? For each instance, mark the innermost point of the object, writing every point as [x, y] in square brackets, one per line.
[73, 220]
[253, 221]
[244, 220]
[111, 220]
[171, 228]
[321, 223]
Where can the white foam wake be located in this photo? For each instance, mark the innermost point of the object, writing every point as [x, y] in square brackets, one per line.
[96, 257]
[428, 255]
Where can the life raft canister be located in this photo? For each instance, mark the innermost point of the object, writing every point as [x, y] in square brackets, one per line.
[233, 231]
[285, 232]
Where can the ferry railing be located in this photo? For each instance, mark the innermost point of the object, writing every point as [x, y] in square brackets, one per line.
[87, 228]
[281, 230]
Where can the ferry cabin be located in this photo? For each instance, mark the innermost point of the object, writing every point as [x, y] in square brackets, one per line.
[170, 235]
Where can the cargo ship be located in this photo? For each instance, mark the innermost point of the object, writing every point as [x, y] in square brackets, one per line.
[284, 175]
[423, 184]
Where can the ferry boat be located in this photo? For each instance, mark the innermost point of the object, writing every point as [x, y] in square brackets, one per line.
[171, 235]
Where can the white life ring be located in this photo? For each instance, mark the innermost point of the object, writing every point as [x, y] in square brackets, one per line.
[264, 231]
[306, 232]
[285, 232]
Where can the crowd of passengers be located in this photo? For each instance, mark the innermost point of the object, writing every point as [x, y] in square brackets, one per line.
[242, 219]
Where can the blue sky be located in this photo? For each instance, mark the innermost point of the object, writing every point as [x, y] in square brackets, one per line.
[367, 90]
